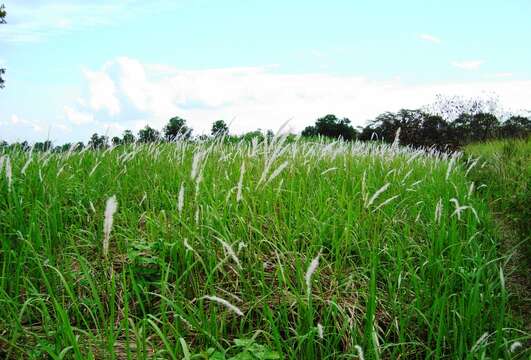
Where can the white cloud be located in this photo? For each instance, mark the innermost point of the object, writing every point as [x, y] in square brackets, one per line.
[77, 117]
[18, 128]
[467, 64]
[102, 92]
[260, 97]
[429, 38]
[34, 125]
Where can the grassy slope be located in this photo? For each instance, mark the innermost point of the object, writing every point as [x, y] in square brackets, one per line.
[505, 167]
[394, 278]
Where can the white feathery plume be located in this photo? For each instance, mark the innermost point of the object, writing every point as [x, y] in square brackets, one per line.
[9, 173]
[471, 166]
[328, 170]
[311, 269]
[471, 189]
[438, 211]
[480, 341]
[385, 202]
[277, 171]
[187, 246]
[110, 209]
[377, 193]
[320, 331]
[396, 141]
[240, 183]
[180, 199]
[515, 346]
[198, 156]
[94, 168]
[360, 352]
[450, 167]
[225, 303]
[230, 251]
[143, 199]
[25, 167]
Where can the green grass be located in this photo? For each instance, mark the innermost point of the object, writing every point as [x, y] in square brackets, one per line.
[504, 167]
[400, 275]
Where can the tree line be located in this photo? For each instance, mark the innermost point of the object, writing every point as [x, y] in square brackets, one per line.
[418, 128]
[447, 124]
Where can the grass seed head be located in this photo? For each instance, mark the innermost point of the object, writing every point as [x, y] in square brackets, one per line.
[225, 303]
[110, 209]
[309, 273]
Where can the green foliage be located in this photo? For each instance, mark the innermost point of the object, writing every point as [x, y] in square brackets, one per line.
[219, 128]
[148, 135]
[128, 137]
[177, 129]
[243, 349]
[506, 169]
[98, 141]
[419, 128]
[409, 259]
[331, 126]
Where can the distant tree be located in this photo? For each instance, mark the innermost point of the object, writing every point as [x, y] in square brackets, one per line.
[176, 128]
[249, 136]
[128, 137]
[43, 146]
[97, 142]
[3, 14]
[116, 141]
[331, 126]
[269, 134]
[417, 128]
[148, 135]
[516, 127]
[309, 131]
[385, 126]
[219, 128]
[484, 126]
[62, 148]
[434, 131]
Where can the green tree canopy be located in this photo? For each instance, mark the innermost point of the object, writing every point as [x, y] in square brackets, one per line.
[331, 126]
[219, 128]
[128, 137]
[177, 129]
[98, 142]
[148, 135]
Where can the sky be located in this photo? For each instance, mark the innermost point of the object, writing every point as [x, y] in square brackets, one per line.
[78, 67]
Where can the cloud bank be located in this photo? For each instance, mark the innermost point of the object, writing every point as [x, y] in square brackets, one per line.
[126, 93]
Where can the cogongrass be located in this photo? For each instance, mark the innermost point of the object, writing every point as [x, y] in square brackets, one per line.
[400, 273]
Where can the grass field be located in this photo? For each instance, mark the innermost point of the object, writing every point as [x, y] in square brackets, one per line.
[506, 167]
[277, 249]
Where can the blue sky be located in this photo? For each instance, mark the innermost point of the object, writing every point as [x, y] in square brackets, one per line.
[76, 67]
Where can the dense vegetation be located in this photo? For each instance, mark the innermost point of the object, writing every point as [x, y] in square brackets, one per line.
[255, 249]
[505, 169]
